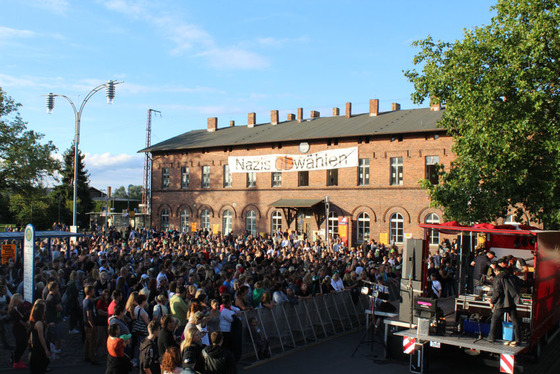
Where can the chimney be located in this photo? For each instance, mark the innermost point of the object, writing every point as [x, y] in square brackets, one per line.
[231, 123]
[348, 110]
[299, 114]
[291, 117]
[252, 120]
[433, 106]
[212, 124]
[273, 117]
[315, 114]
[373, 107]
[335, 112]
[395, 107]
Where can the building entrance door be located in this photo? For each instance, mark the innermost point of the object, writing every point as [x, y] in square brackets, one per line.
[304, 221]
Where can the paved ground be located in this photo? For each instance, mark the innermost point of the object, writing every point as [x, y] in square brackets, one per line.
[331, 356]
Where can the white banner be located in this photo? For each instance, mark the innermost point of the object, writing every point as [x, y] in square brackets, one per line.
[333, 159]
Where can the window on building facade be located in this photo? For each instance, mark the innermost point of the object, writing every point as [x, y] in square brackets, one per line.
[251, 222]
[303, 178]
[333, 224]
[227, 176]
[363, 172]
[433, 219]
[205, 219]
[396, 171]
[205, 177]
[251, 179]
[184, 177]
[363, 227]
[396, 229]
[185, 221]
[164, 178]
[511, 220]
[276, 221]
[332, 177]
[227, 222]
[431, 169]
[276, 179]
[164, 219]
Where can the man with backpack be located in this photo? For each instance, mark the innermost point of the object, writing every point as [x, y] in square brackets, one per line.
[149, 356]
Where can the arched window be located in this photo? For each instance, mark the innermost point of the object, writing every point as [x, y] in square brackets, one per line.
[185, 220]
[164, 219]
[227, 222]
[396, 228]
[433, 219]
[276, 221]
[251, 222]
[333, 224]
[205, 219]
[363, 227]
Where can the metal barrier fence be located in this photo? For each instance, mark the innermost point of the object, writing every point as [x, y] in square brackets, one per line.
[287, 326]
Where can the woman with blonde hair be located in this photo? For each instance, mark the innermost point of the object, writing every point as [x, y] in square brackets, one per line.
[191, 349]
[19, 318]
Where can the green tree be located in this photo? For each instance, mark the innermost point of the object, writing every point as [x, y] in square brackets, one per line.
[34, 206]
[25, 162]
[66, 189]
[500, 86]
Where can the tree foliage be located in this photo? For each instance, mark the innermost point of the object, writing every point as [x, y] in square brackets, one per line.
[66, 189]
[500, 86]
[25, 162]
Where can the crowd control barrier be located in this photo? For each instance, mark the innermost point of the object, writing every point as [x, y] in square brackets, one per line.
[287, 326]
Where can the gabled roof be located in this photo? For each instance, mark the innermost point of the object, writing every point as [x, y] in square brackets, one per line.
[386, 123]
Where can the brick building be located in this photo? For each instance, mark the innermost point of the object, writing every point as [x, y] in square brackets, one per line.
[358, 172]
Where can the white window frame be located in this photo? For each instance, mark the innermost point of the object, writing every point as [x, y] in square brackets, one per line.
[205, 180]
[164, 219]
[251, 222]
[363, 224]
[205, 219]
[433, 219]
[185, 215]
[227, 222]
[363, 172]
[396, 228]
[276, 221]
[396, 171]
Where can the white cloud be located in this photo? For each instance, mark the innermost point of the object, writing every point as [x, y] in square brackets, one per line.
[277, 42]
[53, 6]
[114, 170]
[9, 33]
[188, 37]
[107, 159]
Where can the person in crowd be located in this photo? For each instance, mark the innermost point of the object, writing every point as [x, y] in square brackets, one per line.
[166, 337]
[218, 359]
[116, 298]
[213, 318]
[140, 321]
[149, 356]
[53, 315]
[171, 362]
[19, 317]
[230, 325]
[38, 351]
[263, 350]
[89, 326]
[118, 319]
[160, 309]
[73, 307]
[179, 307]
[4, 315]
[101, 320]
[191, 349]
[337, 284]
[118, 361]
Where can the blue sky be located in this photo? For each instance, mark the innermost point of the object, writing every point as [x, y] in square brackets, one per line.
[197, 59]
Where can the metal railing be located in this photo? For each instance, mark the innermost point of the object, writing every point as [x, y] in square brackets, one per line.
[288, 326]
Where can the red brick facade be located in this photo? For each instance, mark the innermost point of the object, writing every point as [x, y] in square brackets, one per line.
[379, 199]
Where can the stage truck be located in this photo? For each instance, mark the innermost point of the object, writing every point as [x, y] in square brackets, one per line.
[463, 320]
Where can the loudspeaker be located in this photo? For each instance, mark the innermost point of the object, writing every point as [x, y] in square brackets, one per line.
[412, 259]
[408, 289]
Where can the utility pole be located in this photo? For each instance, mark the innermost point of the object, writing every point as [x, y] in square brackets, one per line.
[147, 186]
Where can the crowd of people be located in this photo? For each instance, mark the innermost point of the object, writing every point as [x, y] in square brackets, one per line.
[163, 300]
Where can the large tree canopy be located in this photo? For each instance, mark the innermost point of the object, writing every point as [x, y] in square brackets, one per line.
[500, 86]
[24, 161]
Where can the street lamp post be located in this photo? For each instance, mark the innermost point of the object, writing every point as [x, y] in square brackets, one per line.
[110, 87]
